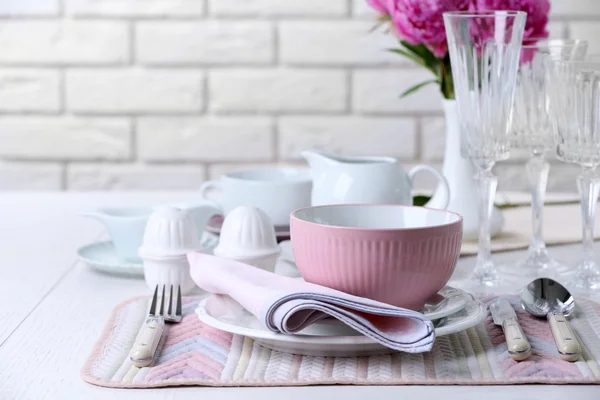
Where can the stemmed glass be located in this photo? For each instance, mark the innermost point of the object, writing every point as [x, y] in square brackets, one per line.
[574, 96]
[484, 49]
[531, 131]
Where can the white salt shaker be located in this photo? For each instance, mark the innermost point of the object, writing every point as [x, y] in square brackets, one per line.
[170, 234]
[248, 235]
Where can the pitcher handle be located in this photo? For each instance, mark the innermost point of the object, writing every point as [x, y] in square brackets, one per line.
[441, 179]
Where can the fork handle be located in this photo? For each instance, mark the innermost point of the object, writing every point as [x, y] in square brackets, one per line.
[146, 342]
[566, 341]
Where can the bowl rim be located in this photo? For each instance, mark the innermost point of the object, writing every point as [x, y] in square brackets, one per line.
[293, 216]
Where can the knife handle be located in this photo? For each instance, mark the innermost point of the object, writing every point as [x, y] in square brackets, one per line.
[516, 341]
[566, 342]
[146, 342]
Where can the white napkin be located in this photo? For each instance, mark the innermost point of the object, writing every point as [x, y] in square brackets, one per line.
[288, 305]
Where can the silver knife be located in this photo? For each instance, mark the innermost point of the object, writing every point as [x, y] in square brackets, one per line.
[516, 341]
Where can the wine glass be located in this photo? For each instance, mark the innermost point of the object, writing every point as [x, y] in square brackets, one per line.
[531, 131]
[574, 93]
[484, 49]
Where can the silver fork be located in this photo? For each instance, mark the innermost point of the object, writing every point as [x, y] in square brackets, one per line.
[170, 317]
[145, 345]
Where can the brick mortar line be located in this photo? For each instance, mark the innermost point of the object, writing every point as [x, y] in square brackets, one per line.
[275, 136]
[212, 66]
[418, 153]
[132, 49]
[349, 91]
[133, 140]
[206, 99]
[189, 162]
[62, 90]
[64, 16]
[211, 113]
[276, 46]
[184, 18]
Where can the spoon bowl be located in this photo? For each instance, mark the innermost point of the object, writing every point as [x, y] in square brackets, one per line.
[545, 295]
[546, 298]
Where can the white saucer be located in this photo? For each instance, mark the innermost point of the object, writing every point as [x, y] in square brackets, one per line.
[103, 257]
[324, 338]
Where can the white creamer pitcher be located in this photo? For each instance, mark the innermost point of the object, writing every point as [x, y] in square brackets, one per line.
[364, 180]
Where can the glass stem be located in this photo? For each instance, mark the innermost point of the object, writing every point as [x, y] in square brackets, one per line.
[588, 190]
[487, 191]
[537, 172]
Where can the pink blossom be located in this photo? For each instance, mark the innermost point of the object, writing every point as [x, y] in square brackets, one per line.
[421, 21]
[379, 5]
[537, 13]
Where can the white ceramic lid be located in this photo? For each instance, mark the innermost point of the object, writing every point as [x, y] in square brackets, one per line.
[170, 232]
[247, 232]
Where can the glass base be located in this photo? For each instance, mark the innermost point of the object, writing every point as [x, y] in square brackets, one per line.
[484, 279]
[586, 276]
[537, 264]
[485, 275]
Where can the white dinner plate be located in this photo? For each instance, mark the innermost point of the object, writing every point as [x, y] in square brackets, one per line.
[323, 338]
[103, 257]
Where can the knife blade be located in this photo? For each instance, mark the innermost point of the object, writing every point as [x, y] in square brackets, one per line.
[504, 315]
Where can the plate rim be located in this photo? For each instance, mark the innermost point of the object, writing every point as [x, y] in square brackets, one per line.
[259, 335]
[464, 296]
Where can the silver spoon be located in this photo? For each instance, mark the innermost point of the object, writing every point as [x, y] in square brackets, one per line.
[546, 298]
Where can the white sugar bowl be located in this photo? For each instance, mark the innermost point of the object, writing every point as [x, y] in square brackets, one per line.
[247, 235]
[170, 234]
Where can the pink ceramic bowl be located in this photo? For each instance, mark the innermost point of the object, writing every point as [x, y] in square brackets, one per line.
[399, 255]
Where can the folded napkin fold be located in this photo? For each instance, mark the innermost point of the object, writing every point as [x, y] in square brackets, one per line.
[288, 305]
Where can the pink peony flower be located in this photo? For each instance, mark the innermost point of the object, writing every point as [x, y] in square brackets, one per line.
[537, 13]
[421, 21]
[379, 5]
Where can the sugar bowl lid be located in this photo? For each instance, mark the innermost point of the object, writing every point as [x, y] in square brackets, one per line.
[247, 232]
[170, 232]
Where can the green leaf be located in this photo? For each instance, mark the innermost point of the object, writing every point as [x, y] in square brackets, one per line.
[423, 52]
[381, 20]
[410, 56]
[417, 87]
[420, 201]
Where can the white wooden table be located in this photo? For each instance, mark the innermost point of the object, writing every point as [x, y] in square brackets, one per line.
[53, 309]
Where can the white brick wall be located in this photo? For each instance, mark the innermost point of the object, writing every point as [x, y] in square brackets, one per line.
[202, 43]
[277, 90]
[29, 90]
[162, 94]
[123, 91]
[134, 8]
[63, 42]
[65, 138]
[205, 139]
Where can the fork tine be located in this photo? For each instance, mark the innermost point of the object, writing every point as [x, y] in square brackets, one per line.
[153, 304]
[178, 309]
[162, 303]
[170, 309]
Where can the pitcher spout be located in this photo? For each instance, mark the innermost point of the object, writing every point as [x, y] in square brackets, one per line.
[97, 215]
[319, 158]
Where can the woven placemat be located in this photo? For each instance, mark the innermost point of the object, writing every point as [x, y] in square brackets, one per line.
[193, 353]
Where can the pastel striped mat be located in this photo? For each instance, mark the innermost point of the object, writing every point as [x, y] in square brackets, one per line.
[193, 353]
